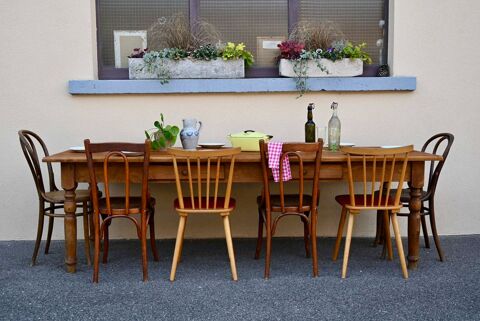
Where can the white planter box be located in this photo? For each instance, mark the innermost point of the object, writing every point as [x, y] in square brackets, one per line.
[340, 68]
[189, 68]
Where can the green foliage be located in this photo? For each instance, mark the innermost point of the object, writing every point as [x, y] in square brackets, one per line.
[155, 60]
[232, 51]
[163, 136]
[207, 52]
[339, 50]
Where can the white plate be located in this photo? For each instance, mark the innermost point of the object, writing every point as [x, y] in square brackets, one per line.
[390, 146]
[211, 145]
[343, 144]
[78, 149]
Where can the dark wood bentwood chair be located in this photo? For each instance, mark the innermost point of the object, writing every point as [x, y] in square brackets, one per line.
[433, 145]
[117, 155]
[201, 198]
[388, 164]
[53, 199]
[282, 204]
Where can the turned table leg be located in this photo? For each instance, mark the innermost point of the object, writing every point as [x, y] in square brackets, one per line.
[415, 205]
[70, 221]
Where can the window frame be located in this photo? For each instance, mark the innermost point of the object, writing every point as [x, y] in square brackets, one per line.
[293, 7]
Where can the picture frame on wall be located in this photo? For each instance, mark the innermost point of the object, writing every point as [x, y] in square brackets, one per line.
[124, 43]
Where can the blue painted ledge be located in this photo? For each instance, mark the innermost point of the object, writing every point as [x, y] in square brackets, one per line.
[244, 85]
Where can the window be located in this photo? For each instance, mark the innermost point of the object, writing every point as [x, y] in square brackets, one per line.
[260, 24]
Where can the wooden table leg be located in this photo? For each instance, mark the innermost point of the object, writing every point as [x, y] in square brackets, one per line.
[415, 205]
[70, 221]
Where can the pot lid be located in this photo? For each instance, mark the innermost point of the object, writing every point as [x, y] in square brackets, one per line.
[249, 134]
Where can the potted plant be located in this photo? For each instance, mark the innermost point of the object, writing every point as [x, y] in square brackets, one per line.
[162, 136]
[183, 52]
[319, 51]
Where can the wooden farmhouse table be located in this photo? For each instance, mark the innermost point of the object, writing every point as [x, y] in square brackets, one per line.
[247, 170]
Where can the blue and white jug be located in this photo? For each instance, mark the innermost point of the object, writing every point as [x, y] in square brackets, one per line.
[190, 133]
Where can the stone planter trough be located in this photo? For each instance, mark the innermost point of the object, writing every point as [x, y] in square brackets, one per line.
[340, 68]
[190, 68]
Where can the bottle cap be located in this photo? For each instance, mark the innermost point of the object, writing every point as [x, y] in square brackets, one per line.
[334, 105]
[311, 106]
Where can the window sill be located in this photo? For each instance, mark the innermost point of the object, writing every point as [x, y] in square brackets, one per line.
[244, 85]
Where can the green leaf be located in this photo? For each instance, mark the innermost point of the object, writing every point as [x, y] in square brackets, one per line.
[168, 135]
[161, 117]
[147, 135]
[162, 142]
[155, 145]
[174, 130]
[157, 124]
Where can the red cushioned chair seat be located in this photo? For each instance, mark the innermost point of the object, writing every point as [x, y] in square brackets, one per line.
[187, 202]
[359, 200]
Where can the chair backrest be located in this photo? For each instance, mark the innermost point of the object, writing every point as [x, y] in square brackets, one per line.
[201, 175]
[386, 165]
[297, 153]
[28, 142]
[432, 145]
[117, 154]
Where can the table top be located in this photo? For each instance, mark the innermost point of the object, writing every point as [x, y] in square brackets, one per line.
[244, 157]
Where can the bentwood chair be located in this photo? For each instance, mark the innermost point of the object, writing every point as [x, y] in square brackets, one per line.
[437, 144]
[281, 205]
[202, 169]
[388, 167]
[53, 199]
[116, 159]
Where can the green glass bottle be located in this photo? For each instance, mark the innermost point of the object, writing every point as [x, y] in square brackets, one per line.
[310, 125]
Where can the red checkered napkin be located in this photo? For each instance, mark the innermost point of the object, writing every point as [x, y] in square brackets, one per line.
[274, 154]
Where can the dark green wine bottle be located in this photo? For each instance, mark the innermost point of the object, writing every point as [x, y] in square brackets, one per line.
[310, 125]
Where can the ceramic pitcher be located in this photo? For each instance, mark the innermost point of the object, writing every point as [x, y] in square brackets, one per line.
[190, 133]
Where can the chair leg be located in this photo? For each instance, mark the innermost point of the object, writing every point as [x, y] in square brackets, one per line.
[313, 238]
[90, 222]
[183, 239]
[50, 228]
[96, 251]
[105, 241]
[433, 226]
[86, 233]
[153, 241]
[306, 236]
[425, 231]
[178, 245]
[49, 234]
[348, 239]
[398, 239]
[379, 229]
[143, 241]
[388, 239]
[41, 217]
[258, 248]
[231, 255]
[268, 250]
[338, 241]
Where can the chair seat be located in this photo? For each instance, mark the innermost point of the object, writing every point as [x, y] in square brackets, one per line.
[344, 200]
[291, 202]
[81, 195]
[187, 203]
[118, 205]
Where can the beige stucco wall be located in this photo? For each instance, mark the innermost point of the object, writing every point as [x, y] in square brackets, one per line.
[46, 43]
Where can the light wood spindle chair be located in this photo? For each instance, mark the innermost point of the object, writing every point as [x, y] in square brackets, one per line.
[388, 167]
[125, 206]
[301, 204]
[202, 168]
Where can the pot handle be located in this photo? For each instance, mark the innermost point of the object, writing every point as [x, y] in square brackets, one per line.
[248, 131]
[200, 126]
